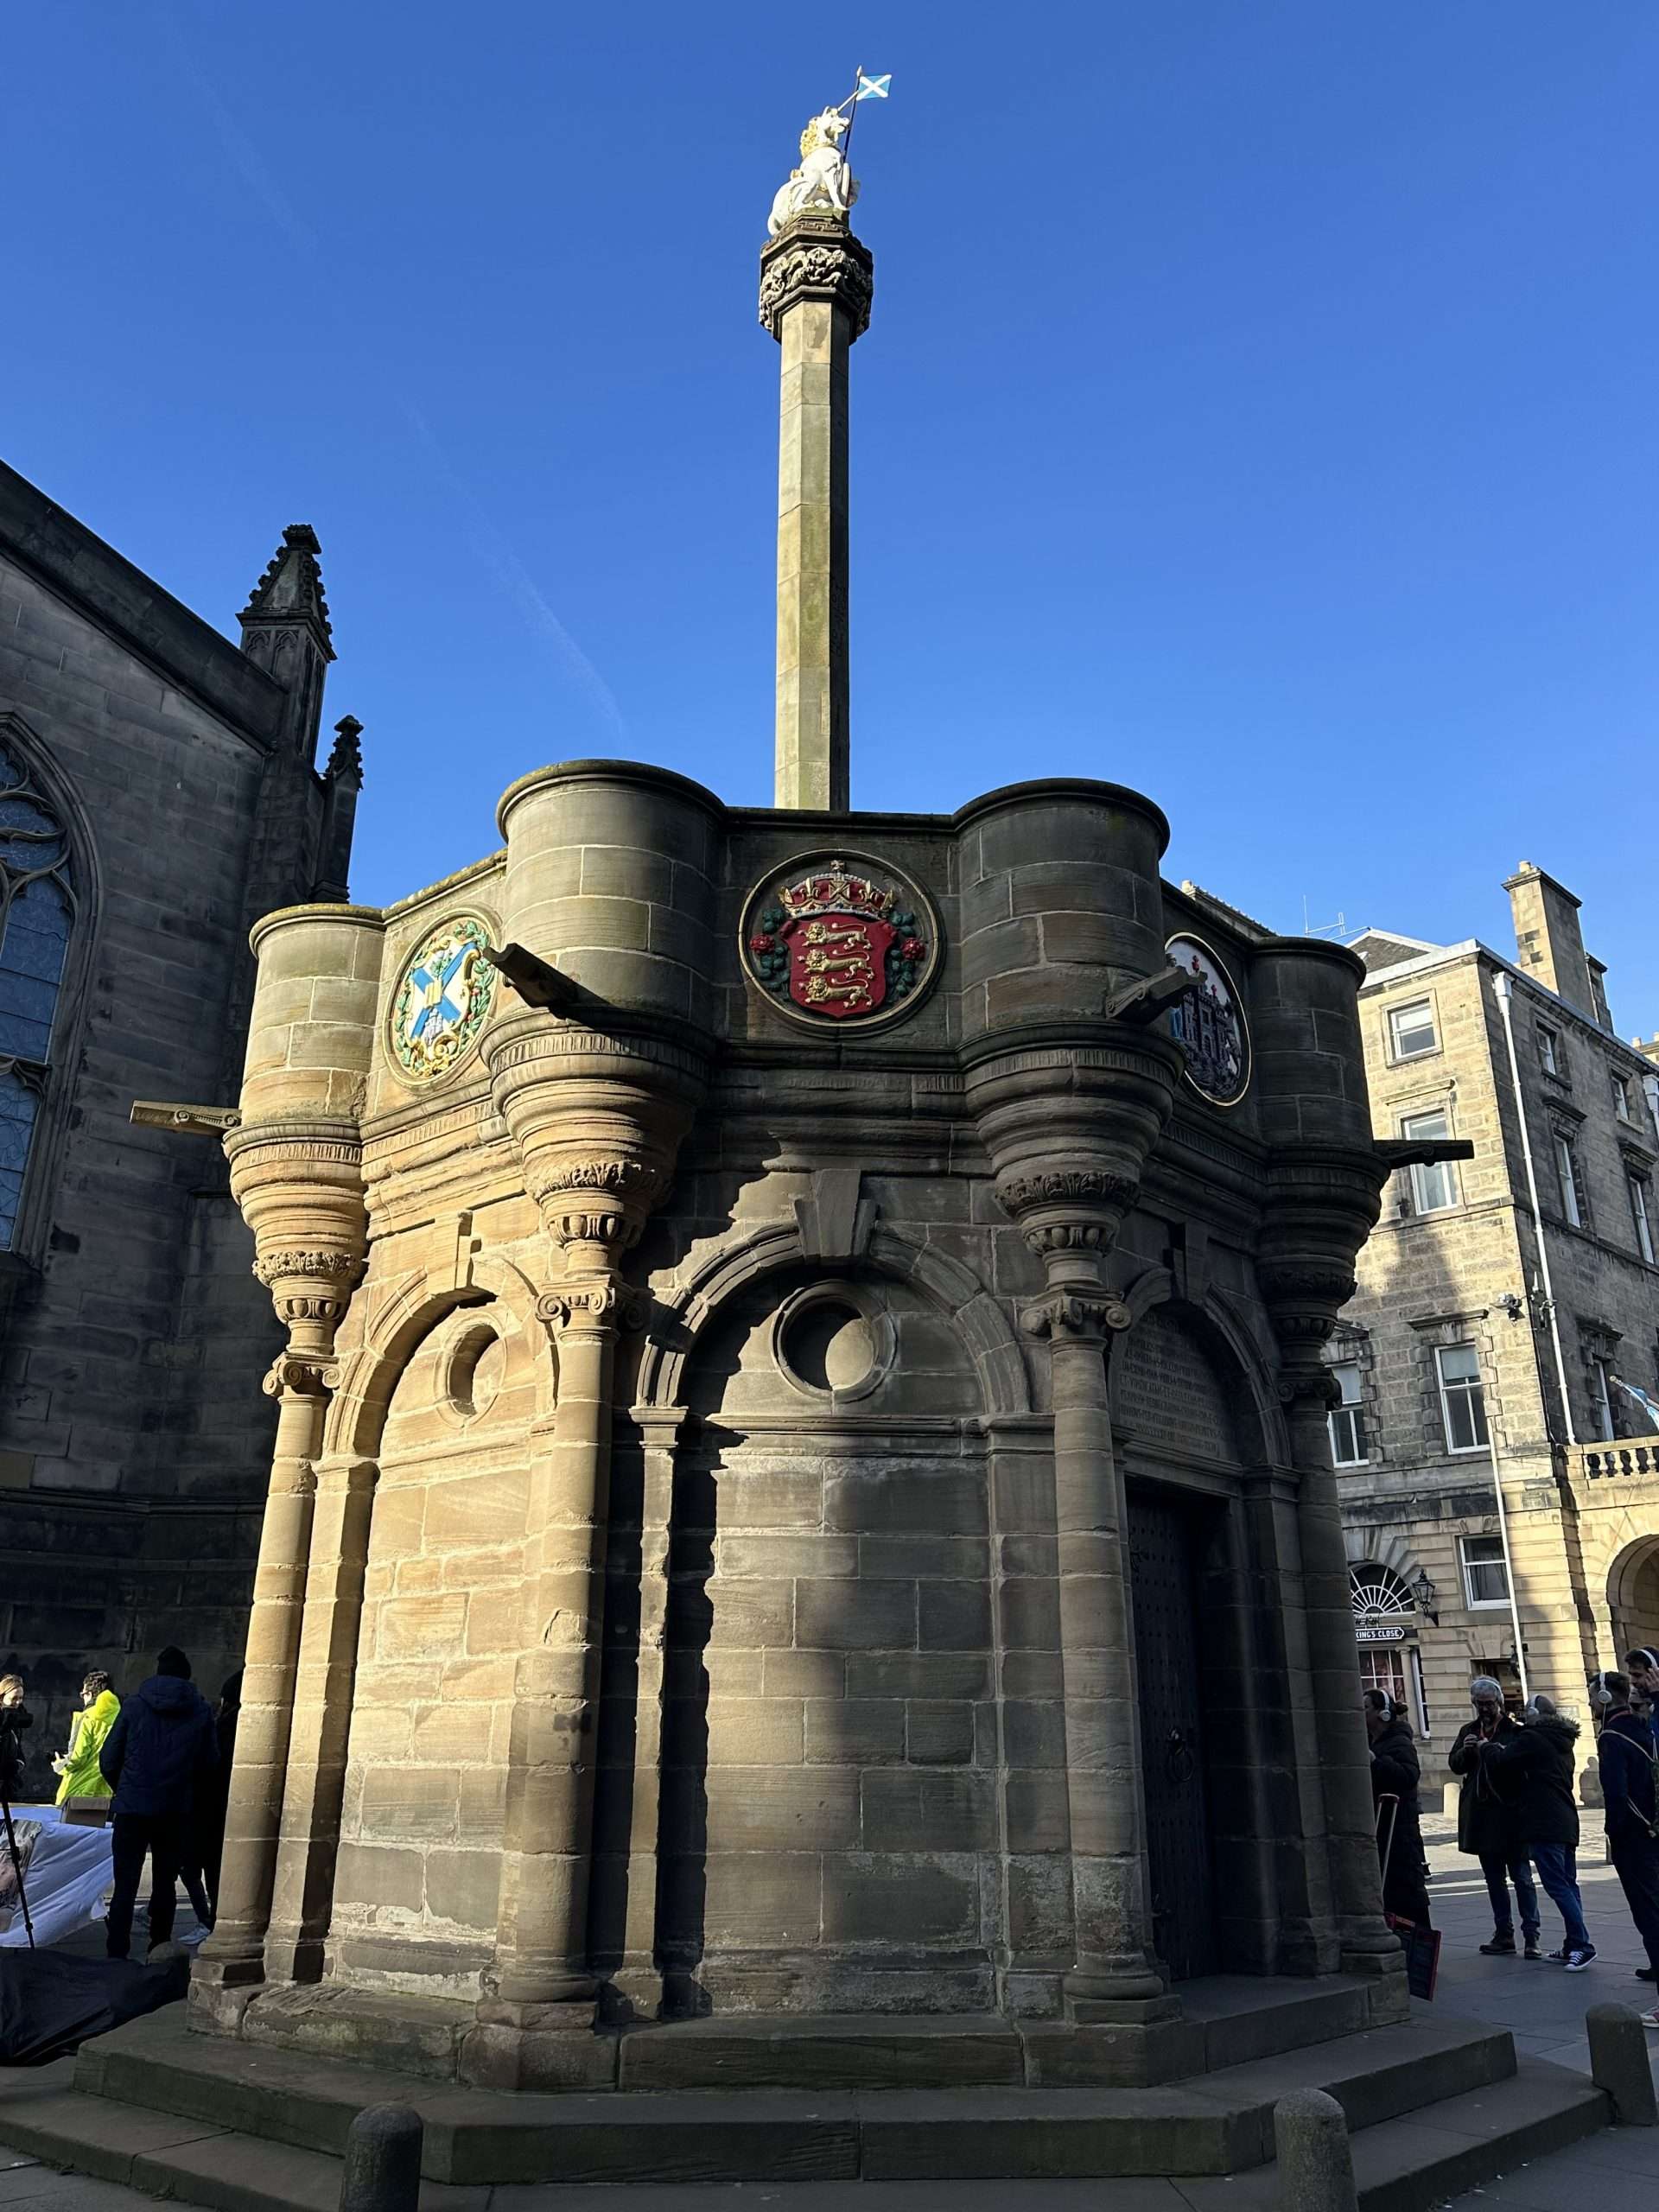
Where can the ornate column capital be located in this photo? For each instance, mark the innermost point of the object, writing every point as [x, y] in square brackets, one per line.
[291, 1375]
[592, 1303]
[817, 257]
[604, 1202]
[1067, 1210]
[1076, 1317]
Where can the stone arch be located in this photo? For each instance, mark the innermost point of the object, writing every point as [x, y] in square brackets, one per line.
[392, 1335]
[1633, 1596]
[1222, 1335]
[1365, 1547]
[684, 1318]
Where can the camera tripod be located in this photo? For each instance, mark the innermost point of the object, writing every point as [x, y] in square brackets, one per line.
[9, 1747]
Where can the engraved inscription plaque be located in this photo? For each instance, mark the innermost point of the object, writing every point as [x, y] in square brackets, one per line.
[1166, 1394]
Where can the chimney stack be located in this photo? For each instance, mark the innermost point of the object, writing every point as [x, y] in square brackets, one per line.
[1548, 942]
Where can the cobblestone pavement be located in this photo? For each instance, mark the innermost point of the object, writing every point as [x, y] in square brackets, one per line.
[1542, 2005]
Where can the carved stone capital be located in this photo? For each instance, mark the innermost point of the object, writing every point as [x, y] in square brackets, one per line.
[1315, 1386]
[816, 258]
[596, 1302]
[1067, 1210]
[292, 1375]
[604, 1202]
[343, 1269]
[1073, 1315]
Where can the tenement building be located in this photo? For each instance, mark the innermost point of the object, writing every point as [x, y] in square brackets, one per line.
[1496, 1438]
[158, 792]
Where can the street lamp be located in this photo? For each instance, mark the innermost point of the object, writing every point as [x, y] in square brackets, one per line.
[1422, 1591]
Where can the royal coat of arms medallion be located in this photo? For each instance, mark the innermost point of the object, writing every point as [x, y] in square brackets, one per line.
[442, 999]
[1209, 1026]
[840, 942]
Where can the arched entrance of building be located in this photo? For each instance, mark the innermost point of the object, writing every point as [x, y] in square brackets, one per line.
[1633, 1595]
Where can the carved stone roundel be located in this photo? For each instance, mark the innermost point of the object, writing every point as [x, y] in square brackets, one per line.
[1208, 1025]
[839, 941]
[442, 999]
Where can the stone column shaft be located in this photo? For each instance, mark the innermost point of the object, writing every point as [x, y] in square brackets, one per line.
[1368, 1944]
[812, 727]
[235, 1952]
[541, 1945]
[1101, 1753]
[816, 285]
[320, 1734]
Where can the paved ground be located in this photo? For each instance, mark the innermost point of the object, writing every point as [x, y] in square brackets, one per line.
[1542, 2006]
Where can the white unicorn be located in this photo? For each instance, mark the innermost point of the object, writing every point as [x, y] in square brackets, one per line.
[823, 180]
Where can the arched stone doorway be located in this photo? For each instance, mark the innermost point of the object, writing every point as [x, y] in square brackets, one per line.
[1633, 1595]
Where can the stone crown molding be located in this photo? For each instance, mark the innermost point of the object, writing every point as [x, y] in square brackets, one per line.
[337, 1267]
[816, 259]
[522, 1041]
[1067, 1186]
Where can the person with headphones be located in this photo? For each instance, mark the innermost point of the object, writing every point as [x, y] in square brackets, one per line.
[1630, 1792]
[1643, 1668]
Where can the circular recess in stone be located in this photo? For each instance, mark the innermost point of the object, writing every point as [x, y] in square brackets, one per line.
[832, 1341]
[474, 1371]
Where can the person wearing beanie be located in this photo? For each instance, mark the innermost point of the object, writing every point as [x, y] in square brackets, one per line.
[1396, 1773]
[1539, 1763]
[1486, 1820]
[159, 1753]
[1630, 1795]
[1642, 1667]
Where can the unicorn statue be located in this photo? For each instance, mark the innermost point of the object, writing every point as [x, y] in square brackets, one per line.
[823, 180]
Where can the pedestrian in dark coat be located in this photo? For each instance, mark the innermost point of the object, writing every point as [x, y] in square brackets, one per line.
[1396, 1772]
[156, 1758]
[1629, 1794]
[1486, 1820]
[1540, 1763]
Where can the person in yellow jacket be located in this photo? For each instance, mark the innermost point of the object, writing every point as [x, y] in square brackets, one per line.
[100, 1708]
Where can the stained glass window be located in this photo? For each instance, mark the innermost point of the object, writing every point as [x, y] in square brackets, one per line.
[37, 914]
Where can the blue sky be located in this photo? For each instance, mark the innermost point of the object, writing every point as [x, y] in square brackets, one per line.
[1259, 407]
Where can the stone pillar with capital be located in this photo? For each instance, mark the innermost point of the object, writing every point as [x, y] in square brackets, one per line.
[817, 282]
[1324, 1184]
[534, 2018]
[297, 1172]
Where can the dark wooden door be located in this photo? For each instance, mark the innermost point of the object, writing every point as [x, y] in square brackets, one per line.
[1163, 1536]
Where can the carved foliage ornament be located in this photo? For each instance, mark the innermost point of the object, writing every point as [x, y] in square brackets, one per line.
[442, 1000]
[344, 1268]
[1086, 1186]
[812, 267]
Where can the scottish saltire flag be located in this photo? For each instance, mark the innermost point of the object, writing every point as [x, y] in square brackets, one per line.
[1641, 1397]
[872, 88]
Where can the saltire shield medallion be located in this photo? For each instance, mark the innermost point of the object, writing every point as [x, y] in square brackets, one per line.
[442, 999]
[1208, 1024]
[840, 941]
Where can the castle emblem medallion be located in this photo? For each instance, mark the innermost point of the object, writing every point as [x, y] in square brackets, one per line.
[840, 941]
[1208, 1025]
[442, 999]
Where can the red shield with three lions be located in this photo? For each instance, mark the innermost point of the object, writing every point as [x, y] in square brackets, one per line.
[838, 962]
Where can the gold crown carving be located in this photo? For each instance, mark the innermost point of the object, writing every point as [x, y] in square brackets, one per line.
[836, 891]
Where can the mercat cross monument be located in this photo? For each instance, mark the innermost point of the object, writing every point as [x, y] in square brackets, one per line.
[802, 1548]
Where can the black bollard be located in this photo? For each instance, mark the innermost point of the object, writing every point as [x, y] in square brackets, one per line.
[1316, 2163]
[1618, 2063]
[382, 2161]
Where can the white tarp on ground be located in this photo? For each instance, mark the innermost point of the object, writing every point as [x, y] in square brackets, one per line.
[66, 1872]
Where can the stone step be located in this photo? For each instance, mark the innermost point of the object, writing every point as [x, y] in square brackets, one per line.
[1412, 2164]
[1215, 2124]
[1402, 2165]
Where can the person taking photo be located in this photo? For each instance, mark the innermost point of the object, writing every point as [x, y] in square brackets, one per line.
[1486, 1820]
